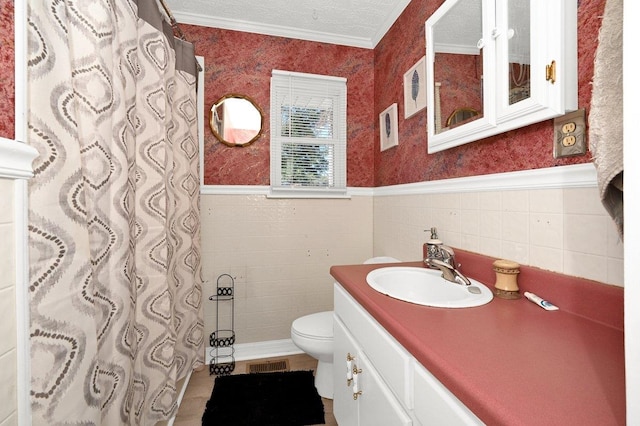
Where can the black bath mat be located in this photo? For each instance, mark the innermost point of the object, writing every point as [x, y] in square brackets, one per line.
[264, 399]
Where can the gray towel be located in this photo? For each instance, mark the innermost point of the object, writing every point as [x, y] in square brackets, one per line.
[605, 116]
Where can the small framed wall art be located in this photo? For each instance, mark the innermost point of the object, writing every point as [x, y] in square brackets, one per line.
[389, 127]
[415, 88]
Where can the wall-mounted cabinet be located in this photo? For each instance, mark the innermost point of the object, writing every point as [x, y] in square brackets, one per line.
[497, 65]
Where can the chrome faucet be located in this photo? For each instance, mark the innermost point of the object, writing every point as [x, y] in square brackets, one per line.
[444, 258]
[449, 272]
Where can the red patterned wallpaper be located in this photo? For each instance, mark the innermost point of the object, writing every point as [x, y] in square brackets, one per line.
[242, 62]
[522, 149]
[7, 71]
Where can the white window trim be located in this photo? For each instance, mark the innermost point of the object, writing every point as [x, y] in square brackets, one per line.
[340, 160]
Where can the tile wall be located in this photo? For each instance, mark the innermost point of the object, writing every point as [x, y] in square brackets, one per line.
[562, 230]
[280, 252]
[8, 359]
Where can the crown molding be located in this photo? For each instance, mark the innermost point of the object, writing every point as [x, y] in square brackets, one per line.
[273, 30]
[391, 19]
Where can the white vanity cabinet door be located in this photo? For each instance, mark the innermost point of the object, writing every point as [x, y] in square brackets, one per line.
[376, 404]
[392, 361]
[345, 409]
[436, 405]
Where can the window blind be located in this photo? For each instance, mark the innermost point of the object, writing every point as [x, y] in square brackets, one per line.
[308, 132]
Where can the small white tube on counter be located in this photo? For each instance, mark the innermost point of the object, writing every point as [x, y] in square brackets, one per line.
[540, 301]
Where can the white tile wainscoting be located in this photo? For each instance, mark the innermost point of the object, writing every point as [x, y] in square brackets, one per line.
[548, 218]
[280, 250]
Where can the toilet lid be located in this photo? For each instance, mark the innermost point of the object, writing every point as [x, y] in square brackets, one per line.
[315, 326]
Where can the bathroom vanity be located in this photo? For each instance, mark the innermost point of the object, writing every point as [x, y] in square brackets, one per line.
[505, 363]
[388, 376]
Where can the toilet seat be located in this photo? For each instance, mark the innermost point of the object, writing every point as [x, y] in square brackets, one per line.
[318, 326]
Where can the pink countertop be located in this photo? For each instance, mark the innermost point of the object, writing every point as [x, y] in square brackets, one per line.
[510, 361]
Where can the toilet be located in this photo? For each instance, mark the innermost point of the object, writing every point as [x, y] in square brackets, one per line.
[313, 334]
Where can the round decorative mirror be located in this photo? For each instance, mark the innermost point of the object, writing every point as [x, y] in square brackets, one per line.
[236, 120]
[461, 115]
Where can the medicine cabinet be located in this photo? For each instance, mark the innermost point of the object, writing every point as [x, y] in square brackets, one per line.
[511, 62]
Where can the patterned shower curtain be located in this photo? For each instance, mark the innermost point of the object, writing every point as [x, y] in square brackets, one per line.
[114, 224]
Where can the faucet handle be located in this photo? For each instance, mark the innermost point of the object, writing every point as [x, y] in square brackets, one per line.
[448, 255]
[447, 250]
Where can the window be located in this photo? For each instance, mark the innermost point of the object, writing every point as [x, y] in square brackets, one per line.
[308, 134]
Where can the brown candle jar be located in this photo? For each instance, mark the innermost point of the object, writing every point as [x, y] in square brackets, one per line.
[506, 286]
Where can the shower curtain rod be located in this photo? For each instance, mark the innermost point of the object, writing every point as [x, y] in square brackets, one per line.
[176, 27]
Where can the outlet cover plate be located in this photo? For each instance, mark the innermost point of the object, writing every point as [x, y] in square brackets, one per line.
[570, 134]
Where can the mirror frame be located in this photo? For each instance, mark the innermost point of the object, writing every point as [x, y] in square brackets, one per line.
[219, 136]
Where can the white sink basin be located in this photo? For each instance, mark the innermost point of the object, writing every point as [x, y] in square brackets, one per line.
[424, 286]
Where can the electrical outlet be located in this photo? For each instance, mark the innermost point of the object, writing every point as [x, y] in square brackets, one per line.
[570, 135]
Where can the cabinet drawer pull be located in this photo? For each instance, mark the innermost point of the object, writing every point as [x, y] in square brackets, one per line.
[356, 386]
[350, 358]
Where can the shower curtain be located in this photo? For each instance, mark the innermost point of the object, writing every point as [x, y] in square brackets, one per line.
[114, 232]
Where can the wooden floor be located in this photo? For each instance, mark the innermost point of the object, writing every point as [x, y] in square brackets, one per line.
[201, 383]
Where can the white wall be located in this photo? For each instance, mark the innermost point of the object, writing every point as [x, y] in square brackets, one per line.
[8, 335]
[15, 166]
[632, 211]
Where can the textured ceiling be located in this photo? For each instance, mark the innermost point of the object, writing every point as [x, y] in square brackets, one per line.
[359, 23]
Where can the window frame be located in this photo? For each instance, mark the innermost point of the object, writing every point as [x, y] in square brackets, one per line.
[284, 86]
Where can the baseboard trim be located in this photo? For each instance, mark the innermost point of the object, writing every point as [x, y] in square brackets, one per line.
[245, 352]
[257, 350]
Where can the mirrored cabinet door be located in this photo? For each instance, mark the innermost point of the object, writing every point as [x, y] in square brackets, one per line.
[457, 79]
[458, 66]
[497, 65]
[537, 60]
[518, 49]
